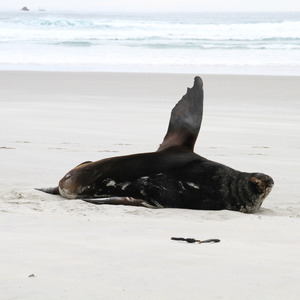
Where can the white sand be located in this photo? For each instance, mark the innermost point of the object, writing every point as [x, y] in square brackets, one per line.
[52, 121]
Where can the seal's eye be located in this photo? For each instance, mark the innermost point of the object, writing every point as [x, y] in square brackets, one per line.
[68, 176]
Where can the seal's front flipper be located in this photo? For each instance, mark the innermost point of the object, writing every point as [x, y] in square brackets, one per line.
[185, 120]
[119, 201]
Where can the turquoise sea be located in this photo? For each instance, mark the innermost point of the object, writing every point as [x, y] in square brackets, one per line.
[255, 43]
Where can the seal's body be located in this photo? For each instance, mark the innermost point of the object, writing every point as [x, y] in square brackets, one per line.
[173, 176]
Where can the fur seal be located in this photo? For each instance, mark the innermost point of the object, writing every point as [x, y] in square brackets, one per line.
[173, 176]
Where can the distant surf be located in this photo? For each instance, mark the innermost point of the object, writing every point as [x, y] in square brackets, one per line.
[167, 41]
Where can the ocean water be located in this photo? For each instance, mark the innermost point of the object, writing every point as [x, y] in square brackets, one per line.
[255, 43]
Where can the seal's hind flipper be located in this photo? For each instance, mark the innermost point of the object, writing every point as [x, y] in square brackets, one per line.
[185, 119]
[119, 201]
[50, 190]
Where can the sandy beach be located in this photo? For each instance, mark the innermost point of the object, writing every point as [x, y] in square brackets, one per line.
[52, 248]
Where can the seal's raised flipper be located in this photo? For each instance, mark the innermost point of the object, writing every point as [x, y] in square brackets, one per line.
[120, 201]
[50, 190]
[185, 120]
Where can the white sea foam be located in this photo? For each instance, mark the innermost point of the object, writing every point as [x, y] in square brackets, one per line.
[188, 41]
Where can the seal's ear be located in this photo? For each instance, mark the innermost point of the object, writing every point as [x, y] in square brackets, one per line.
[185, 120]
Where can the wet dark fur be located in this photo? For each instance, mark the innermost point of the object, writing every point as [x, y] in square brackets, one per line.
[173, 176]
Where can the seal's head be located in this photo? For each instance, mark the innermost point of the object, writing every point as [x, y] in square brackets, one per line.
[75, 181]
